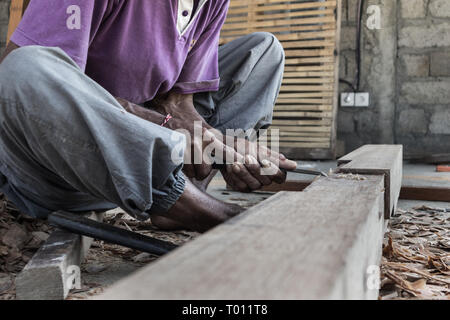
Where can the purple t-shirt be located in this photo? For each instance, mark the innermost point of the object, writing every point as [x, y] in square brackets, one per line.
[135, 49]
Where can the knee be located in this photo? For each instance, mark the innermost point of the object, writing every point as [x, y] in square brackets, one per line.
[26, 67]
[23, 61]
[271, 44]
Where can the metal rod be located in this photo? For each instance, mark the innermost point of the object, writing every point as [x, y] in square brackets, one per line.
[102, 231]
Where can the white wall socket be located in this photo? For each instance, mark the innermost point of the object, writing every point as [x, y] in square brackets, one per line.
[347, 99]
[352, 99]
[362, 99]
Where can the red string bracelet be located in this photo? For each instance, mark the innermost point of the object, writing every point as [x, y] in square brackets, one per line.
[166, 119]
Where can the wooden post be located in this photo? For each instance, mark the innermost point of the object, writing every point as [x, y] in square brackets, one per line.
[16, 12]
[378, 159]
[51, 271]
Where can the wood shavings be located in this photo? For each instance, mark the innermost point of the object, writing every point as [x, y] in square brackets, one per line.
[349, 176]
[416, 257]
[20, 237]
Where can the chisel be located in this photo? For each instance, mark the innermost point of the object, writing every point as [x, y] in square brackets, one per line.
[221, 166]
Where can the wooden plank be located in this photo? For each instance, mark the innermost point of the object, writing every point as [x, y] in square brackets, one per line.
[16, 12]
[319, 20]
[307, 74]
[425, 193]
[297, 107]
[48, 275]
[302, 122]
[301, 134]
[316, 244]
[292, 36]
[292, 144]
[301, 129]
[290, 185]
[284, 15]
[323, 67]
[307, 80]
[407, 192]
[378, 159]
[317, 95]
[234, 7]
[420, 182]
[278, 26]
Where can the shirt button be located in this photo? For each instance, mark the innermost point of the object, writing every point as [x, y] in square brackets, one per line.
[185, 13]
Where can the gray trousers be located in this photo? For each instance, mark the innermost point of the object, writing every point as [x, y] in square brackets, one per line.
[67, 144]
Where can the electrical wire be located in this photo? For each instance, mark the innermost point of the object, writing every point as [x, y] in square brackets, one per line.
[355, 86]
[348, 83]
[358, 45]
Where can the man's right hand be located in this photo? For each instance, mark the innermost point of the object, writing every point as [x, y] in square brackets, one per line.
[243, 169]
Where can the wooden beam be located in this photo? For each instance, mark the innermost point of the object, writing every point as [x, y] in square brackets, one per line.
[48, 275]
[441, 194]
[289, 185]
[378, 159]
[425, 193]
[316, 244]
[16, 12]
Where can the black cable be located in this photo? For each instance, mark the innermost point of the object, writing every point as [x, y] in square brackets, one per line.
[355, 86]
[348, 83]
[358, 45]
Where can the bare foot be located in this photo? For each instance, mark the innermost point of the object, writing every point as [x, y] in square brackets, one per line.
[195, 210]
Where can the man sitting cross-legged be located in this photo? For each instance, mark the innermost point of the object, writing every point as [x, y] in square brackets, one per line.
[87, 115]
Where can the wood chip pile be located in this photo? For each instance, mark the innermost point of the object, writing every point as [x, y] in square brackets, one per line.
[416, 255]
[20, 237]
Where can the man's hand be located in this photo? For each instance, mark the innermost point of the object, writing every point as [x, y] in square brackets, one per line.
[186, 119]
[251, 167]
[261, 166]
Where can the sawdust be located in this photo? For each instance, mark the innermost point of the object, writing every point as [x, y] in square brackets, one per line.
[346, 176]
[349, 176]
[416, 255]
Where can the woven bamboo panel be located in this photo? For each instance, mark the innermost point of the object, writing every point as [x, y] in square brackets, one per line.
[306, 109]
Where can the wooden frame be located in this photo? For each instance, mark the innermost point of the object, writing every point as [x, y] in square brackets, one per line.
[16, 12]
[309, 30]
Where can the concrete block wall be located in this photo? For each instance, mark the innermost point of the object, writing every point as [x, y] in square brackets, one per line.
[414, 109]
[423, 76]
[4, 19]
[405, 68]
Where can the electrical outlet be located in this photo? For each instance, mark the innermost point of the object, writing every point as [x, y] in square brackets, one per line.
[362, 99]
[347, 99]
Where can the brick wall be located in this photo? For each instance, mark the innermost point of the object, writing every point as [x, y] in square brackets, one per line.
[420, 110]
[423, 75]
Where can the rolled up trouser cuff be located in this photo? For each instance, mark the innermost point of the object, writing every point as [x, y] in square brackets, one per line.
[162, 204]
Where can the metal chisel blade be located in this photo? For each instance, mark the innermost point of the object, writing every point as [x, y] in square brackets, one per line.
[220, 166]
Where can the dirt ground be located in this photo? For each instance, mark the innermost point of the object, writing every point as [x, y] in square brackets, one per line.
[415, 263]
